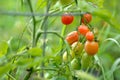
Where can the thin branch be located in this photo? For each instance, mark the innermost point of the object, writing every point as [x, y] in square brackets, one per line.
[27, 14]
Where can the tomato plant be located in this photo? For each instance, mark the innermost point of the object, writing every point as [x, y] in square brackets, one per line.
[57, 40]
[67, 18]
[91, 47]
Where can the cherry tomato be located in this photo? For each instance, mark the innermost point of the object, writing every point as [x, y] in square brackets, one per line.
[86, 18]
[72, 37]
[91, 47]
[90, 36]
[85, 61]
[65, 57]
[67, 18]
[77, 48]
[83, 29]
[75, 64]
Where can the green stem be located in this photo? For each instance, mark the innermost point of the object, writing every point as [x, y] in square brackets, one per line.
[44, 26]
[33, 38]
[62, 34]
[49, 69]
[34, 23]
[29, 74]
[49, 32]
[10, 76]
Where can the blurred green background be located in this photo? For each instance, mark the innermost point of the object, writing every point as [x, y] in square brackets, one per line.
[12, 27]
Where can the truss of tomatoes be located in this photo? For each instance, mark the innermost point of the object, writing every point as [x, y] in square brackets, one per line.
[91, 46]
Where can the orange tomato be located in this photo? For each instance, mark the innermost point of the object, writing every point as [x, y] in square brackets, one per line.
[90, 36]
[72, 37]
[83, 29]
[91, 47]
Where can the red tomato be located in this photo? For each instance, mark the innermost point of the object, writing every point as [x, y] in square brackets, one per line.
[90, 36]
[91, 47]
[86, 18]
[67, 18]
[72, 37]
[83, 29]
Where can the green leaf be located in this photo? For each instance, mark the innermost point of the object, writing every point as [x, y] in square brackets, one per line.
[40, 4]
[3, 48]
[107, 16]
[98, 3]
[35, 52]
[113, 40]
[83, 75]
[24, 62]
[4, 69]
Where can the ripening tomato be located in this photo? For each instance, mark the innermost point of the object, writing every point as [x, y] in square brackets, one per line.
[91, 47]
[77, 48]
[72, 37]
[90, 36]
[86, 60]
[67, 18]
[83, 29]
[86, 18]
[75, 64]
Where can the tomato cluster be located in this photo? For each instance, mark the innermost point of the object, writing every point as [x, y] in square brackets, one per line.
[81, 49]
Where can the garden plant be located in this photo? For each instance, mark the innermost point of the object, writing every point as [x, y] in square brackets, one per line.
[59, 40]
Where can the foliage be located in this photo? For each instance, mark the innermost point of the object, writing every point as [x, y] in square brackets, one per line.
[32, 41]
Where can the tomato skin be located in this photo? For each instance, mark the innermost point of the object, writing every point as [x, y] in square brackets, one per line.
[77, 48]
[72, 54]
[83, 29]
[75, 64]
[89, 36]
[72, 37]
[67, 18]
[86, 18]
[65, 57]
[91, 47]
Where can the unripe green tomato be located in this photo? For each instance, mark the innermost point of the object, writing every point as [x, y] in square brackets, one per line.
[86, 61]
[77, 48]
[65, 57]
[65, 2]
[75, 64]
